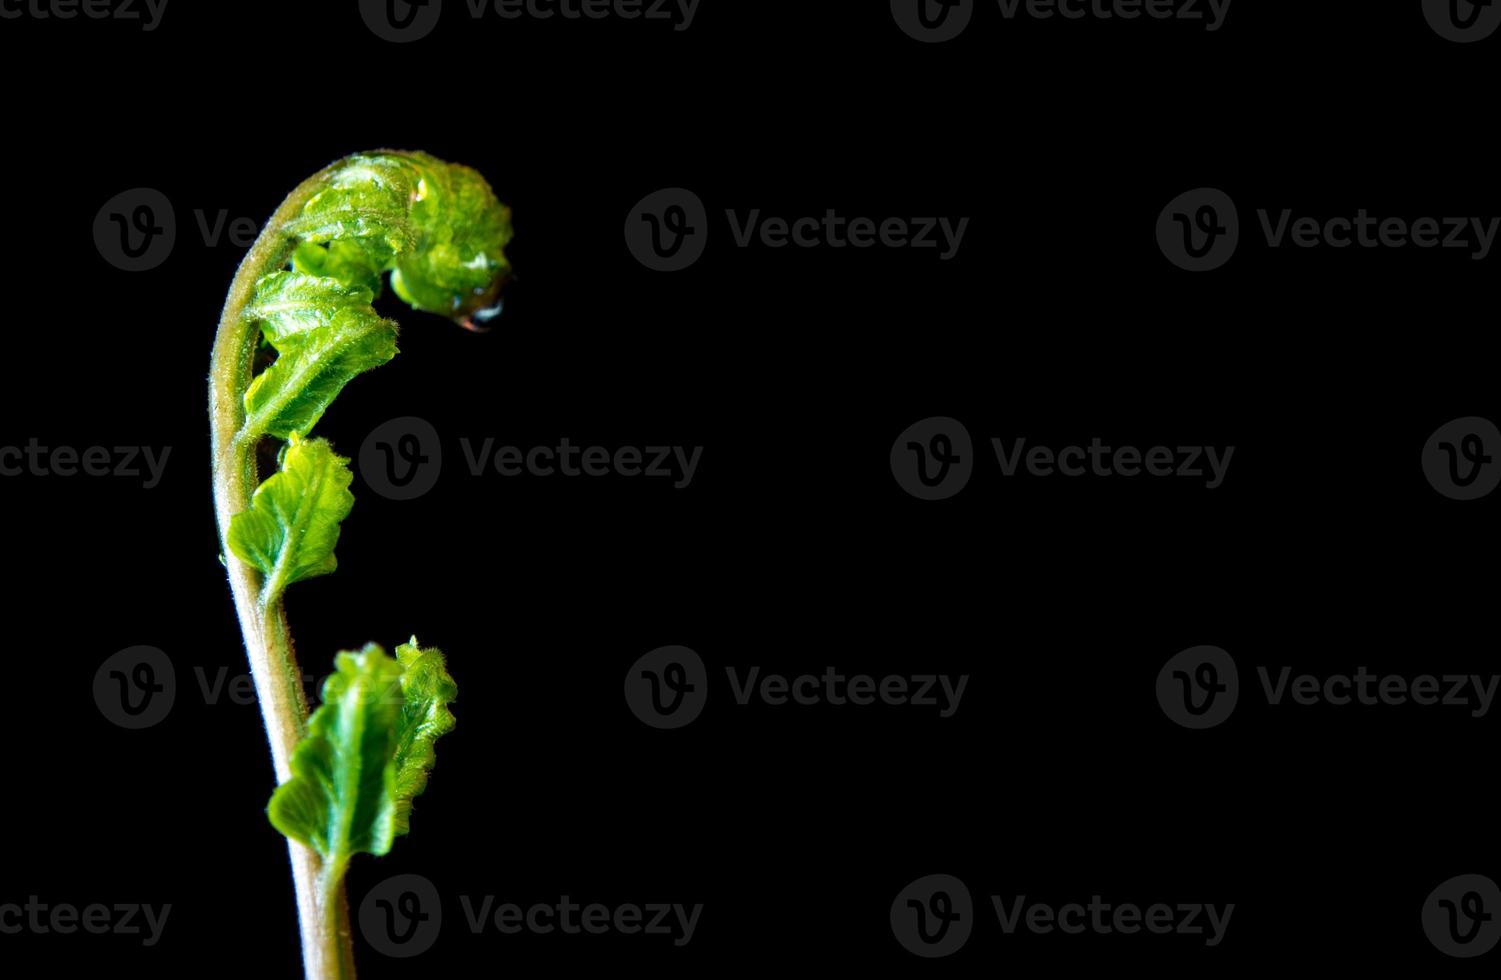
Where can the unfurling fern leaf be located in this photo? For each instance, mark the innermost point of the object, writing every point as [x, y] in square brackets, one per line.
[306, 292]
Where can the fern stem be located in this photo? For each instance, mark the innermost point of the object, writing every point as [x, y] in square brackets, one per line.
[327, 946]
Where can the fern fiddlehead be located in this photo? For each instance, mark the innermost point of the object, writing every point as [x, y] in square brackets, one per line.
[346, 777]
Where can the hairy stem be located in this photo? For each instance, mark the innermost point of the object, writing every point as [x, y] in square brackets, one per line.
[327, 946]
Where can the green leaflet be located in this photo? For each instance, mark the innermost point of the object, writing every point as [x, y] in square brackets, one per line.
[459, 264]
[292, 525]
[367, 752]
[426, 692]
[364, 197]
[289, 307]
[356, 261]
[341, 798]
[291, 395]
[436, 227]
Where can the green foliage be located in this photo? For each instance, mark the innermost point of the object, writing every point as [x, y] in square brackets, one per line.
[290, 396]
[436, 227]
[341, 799]
[440, 233]
[292, 525]
[367, 753]
[426, 692]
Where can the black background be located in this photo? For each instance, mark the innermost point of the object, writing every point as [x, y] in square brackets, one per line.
[793, 549]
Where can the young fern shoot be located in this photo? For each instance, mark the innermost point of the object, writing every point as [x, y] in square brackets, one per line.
[347, 775]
